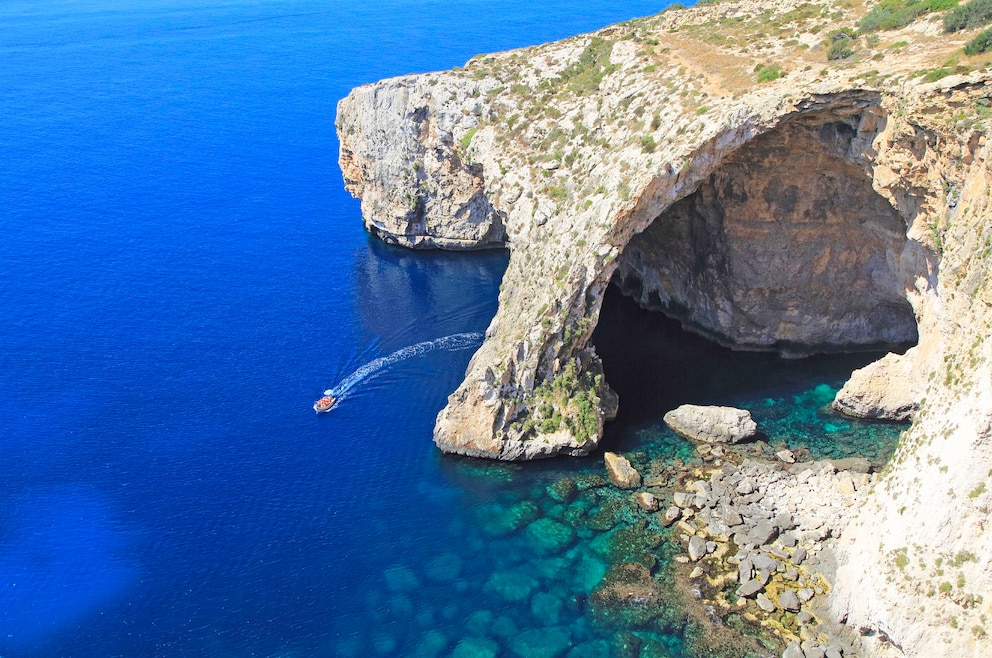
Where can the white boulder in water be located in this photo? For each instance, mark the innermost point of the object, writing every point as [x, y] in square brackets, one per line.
[711, 424]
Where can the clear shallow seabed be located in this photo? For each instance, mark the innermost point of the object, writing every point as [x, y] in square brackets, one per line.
[181, 274]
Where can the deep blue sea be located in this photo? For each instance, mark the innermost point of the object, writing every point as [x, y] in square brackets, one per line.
[182, 274]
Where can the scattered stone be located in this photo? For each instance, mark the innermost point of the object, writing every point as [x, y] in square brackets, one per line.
[697, 548]
[762, 561]
[745, 571]
[834, 651]
[812, 650]
[791, 574]
[793, 651]
[787, 456]
[647, 501]
[787, 601]
[785, 522]
[787, 539]
[765, 603]
[805, 594]
[762, 533]
[799, 556]
[620, 472]
[711, 424]
[696, 572]
[852, 464]
[732, 517]
[671, 515]
[803, 618]
[845, 484]
[683, 499]
[749, 588]
[711, 547]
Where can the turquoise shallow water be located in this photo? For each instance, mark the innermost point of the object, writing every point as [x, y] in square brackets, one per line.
[528, 554]
[182, 274]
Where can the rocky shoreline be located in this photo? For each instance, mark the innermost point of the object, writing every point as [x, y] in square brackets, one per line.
[759, 537]
[757, 527]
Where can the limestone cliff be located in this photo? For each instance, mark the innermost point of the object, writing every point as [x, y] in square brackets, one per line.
[796, 205]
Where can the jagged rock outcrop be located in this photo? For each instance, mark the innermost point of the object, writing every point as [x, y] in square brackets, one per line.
[709, 424]
[809, 205]
[887, 389]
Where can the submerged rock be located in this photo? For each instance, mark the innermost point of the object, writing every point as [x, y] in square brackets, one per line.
[400, 579]
[511, 585]
[547, 642]
[550, 536]
[445, 567]
[431, 645]
[499, 521]
[594, 649]
[476, 647]
[711, 424]
[646, 501]
[563, 490]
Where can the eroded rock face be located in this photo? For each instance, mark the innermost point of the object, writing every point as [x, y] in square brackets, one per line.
[887, 389]
[394, 131]
[785, 246]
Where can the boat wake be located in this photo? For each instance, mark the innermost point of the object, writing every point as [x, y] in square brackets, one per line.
[371, 369]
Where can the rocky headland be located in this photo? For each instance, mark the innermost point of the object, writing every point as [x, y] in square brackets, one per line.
[777, 180]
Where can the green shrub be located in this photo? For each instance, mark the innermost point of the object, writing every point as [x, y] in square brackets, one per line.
[841, 49]
[467, 138]
[895, 14]
[584, 76]
[980, 44]
[770, 72]
[974, 14]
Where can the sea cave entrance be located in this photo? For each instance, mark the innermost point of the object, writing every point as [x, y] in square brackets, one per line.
[785, 249]
[785, 246]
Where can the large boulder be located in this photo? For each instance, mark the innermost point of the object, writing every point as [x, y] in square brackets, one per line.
[620, 472]
[887, 389]
[711, 424]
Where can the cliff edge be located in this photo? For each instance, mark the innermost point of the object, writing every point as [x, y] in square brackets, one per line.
[832, 196]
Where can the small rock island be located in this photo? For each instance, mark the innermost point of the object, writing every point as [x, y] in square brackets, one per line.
[786, 176]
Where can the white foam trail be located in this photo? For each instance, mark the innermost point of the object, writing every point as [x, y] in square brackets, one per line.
[373, 368]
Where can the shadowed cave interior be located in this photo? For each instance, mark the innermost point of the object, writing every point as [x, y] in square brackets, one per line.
[785, 247]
